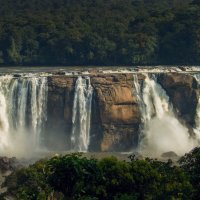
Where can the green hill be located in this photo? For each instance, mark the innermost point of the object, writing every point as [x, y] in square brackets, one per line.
[99, 32]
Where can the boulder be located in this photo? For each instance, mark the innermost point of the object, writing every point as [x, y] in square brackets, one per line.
[170, 154]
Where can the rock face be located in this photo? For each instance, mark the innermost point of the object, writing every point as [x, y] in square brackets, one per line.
[119, 116]
[115, 117]
[60, 103]
[7, 166]
[115, 113]
[183, 92]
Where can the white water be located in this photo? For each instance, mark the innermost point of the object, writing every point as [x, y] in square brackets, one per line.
[137, 88]
[23, 108]
[80, 137]
[38, 107]
[162, 130]
[23, 104]
[4, 124]
[197, 117]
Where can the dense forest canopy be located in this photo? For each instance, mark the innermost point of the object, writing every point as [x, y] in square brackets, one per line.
[99, 32]
[75, 177]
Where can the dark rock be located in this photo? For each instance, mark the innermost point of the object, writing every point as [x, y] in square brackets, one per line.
[183, 93]
[59, 111]
[119, 115]
[17, 75]
[169, 154]
[182, 68]
[60, 73]
[115, 113]
[8, 164]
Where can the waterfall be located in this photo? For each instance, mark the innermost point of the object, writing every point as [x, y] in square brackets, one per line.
[138, 92]
[38, 106]
[162, 130]
[4, 123]
[197, 117]
[23, 113]
[137, 88]
[80, 137]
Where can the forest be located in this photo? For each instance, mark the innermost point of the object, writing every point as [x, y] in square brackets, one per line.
[99, 32]
[75, 177]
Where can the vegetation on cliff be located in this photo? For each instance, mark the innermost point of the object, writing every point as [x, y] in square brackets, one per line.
[76, 177]
[99, 32]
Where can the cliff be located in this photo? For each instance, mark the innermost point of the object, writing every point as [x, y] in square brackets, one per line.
[183, 92]
[115, 117]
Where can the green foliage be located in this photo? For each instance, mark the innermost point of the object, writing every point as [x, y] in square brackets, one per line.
[1, 57]
[125, 197]
[99, 32]
[76, 177]
[70, 174]
[190, 163]
[29, 183]
[13, 53]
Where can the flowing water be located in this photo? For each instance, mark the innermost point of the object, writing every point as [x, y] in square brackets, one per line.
[80, 138]
[197, 118]
[23, 114]
[162, 131]
[23, 105]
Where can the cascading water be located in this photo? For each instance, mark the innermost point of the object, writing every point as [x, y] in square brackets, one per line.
[141, 104]
[197, 118]
[162, 130]
[80, 137]
[38, 106]
[23, 113]
[4, 123]
[23, 104]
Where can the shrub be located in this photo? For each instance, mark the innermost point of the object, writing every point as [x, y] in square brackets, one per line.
[190, 163]
[75, 177]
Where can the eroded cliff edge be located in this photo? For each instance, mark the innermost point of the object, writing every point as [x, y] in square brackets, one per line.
[116, 116]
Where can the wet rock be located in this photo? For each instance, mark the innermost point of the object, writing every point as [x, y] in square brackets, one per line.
[182, 68]
[17, 75]
[59, 112]
[60, 73]
[170, 154]
[183, 93]
[115, 113]
[119, 115]
[8, 164]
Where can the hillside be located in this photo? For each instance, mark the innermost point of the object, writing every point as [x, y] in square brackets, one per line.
[99, 32]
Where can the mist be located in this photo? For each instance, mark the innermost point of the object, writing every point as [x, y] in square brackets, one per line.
[162, 131]
[166, 134]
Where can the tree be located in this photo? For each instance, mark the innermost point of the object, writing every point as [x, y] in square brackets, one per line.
[14, 56]
[190, 163]
[1, 57]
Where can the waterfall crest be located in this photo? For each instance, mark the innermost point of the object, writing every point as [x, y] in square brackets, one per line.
[23, 105]
[162, 130]
[80, 137]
